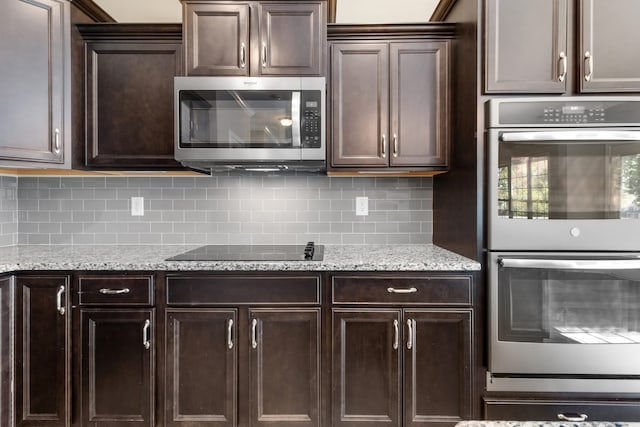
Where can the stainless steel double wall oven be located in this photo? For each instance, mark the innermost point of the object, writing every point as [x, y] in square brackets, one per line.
[563, 241]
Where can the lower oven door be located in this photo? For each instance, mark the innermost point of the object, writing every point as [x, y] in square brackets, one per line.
[564, 315]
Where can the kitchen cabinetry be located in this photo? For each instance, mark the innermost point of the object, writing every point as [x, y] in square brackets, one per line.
[129, 100]
[558, 410]
[530, 46]
[6, 349]
[243, 350]
[402, 357]
[42, 351]
[254, 38]
[35, 83]
[389, 104]
[116, 350]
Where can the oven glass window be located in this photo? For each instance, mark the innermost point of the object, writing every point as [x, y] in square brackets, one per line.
[236, 119]
[569, 180]
[569, 306]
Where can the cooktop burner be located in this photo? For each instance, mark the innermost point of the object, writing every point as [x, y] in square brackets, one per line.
[308, 252]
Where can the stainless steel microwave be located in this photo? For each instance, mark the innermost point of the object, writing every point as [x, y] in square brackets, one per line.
[260, 123]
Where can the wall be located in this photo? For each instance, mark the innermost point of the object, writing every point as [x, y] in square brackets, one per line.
[222, 210]
[8, 210]
[383, 11]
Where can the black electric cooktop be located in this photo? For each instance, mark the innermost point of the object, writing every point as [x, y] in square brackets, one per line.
[308, 252]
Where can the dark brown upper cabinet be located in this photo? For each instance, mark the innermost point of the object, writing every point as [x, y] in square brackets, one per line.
[389, 106]
[530, 46]
[254, 38]
[35, 122]
[129, 95]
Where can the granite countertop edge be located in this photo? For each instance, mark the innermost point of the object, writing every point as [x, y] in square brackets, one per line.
[372, 258]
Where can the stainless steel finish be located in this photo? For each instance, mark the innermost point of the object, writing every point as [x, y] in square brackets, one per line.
[410, 290]
[384, 145]
[396, 335]
[264, 54]
[230, 334]
[146, 340]
[562, 385]
[295, 119]
[411, 332]
[577, 419]
[107, 291]
[563, 64]
[395, 145]
[571, 264]
[243, 55]
[59, 305]
[588, 66]
[586, 135]
[254, 333]
[56, 141]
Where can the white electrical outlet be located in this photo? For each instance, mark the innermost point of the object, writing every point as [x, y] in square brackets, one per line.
[137, 206]
[362, 206]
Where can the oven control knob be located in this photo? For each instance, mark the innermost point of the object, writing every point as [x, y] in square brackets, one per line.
[575, 231]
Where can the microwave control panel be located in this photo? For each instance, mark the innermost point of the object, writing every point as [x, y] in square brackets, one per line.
[311, 126]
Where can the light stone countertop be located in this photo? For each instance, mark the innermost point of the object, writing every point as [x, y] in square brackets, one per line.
[152, 258]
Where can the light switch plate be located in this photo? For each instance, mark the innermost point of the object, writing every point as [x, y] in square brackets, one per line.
[137, 206]
[362, 206]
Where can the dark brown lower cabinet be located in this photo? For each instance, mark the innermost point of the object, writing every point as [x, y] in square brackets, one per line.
[548, 409]
[117, 367]
[6, 349]
[42, 351]
[207, 383]
[396, 367]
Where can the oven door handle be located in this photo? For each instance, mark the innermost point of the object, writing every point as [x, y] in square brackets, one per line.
[581, 135]
[295, 119]
[571, 264]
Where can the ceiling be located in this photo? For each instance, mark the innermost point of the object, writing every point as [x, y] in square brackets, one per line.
[347, 11]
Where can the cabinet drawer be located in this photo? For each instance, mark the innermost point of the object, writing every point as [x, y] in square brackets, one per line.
[432, 290]
[115, 290]
[548, 410]
[232, 290]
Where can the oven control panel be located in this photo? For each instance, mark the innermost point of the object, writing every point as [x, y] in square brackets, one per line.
[574, 114]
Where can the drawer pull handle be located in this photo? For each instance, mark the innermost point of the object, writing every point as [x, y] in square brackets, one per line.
[145, 334]
[254, 333]
[230, 334]
[396, 334]
[411, 338]
[411, 290]
[573, 417]
[106, 291]
[59, 305]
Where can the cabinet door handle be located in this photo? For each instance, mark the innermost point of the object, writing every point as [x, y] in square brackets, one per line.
[107, 291]
[230, 333]
[384, 145]
[59, 305]
[410, 290]
[264, 54]
[576, 418]
[395, 145]
[588, 66]
[146, 340]
[396, 334]
[411, 338]
[563, 67]
[243, 55]
[56, 141]
[254, 333]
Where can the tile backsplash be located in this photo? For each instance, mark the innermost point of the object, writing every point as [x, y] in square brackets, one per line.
[229, 209]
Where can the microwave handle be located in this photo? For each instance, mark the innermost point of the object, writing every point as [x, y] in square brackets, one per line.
[571, 264]
[295, 119]
[582, 135]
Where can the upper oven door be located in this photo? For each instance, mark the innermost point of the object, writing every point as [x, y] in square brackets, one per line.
[564, 189]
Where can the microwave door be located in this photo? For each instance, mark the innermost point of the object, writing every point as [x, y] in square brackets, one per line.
[295, 120]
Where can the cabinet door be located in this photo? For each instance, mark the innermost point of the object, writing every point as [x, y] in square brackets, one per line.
[42, 351]
[130, 103]
[291, 38]
[608, 64]
[437, 367]
[202, 371]
[360, 104]
[526, 46]
[419, 93]
[216, 39]
[6, 349]
[34, 79]
[365, 373]
[117, 367]
[284, 367]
